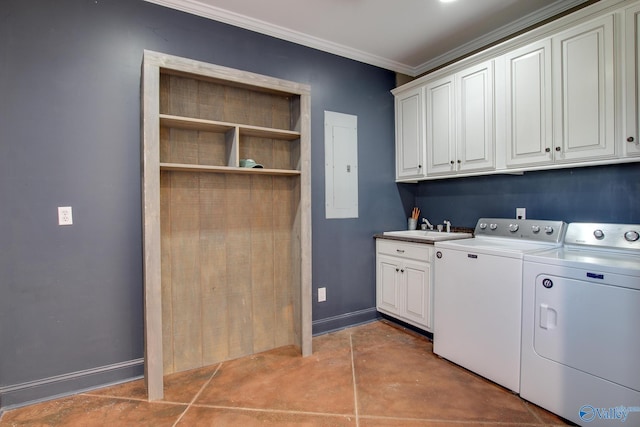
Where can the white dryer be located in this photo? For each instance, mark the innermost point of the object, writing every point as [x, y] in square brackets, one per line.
[581, 326]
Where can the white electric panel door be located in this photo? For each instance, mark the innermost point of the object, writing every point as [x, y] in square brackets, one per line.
[341, 165]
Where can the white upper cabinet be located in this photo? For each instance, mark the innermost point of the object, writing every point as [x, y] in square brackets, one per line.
[584, 87]
[632, 72]
[565, 94]
[459, 122]
[409, 135]
[441, 126]
[529, 131]
[474, 127]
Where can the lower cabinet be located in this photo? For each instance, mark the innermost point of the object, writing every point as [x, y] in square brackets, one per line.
[404, 281]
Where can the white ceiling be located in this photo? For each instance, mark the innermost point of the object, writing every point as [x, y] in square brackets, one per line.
[406, 36]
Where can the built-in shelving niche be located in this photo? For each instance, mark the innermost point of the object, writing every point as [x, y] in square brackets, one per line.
[227, 249]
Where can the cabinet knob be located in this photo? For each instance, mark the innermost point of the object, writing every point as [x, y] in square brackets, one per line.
[402, 271]
[452, 162]
[459, 161]
[397, 269]
[419, 166]
[558, 148]
[630, 139]
[547, 150]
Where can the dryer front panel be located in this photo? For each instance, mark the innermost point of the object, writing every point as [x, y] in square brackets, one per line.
[588, 326]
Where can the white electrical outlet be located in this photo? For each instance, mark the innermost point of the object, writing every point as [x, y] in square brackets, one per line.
[322, 294]
[65, 215]
[521, 213]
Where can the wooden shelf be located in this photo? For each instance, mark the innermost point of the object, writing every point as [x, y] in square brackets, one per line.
[261, 132]
[181, 167]
[216, 126]
[189, 123]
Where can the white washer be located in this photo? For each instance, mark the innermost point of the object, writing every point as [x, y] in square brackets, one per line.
[581, 326]
[478, 295]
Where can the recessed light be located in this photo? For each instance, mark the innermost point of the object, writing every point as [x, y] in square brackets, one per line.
[447, 1]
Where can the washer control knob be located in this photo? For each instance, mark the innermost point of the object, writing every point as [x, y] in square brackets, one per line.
[493, 226]
[513, 227]
[548, 229]
[483, 226]
[598, 234]
[631, 236]
[535, 229]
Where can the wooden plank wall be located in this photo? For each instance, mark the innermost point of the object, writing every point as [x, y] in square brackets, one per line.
[227, 276]
[184, 96]
[228, 244]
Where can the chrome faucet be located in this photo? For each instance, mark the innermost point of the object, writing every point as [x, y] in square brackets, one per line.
[426, 221]
[448, 224]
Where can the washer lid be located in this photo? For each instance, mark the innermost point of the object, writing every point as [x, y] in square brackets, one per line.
[593, 260]
[495, 246]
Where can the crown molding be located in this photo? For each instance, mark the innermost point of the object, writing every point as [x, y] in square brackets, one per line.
[498, 34]
[195, 7]
[221, 15]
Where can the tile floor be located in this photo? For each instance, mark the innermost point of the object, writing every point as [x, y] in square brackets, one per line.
[373, 375]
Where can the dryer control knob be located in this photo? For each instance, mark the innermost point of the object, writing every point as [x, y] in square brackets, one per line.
[631, 236]
[483, 225]
[548, 229]
[598, 234]
[535, 229]
[513, 227]
[493, 226]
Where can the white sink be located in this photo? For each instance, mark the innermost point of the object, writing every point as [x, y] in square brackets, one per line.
[428, 235]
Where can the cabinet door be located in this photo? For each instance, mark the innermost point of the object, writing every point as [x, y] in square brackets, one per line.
[417, 283]
[440, 126]
[474, 124]
[583, 72]
[529, 131]
[409, 135]
[632, 88]
[388, 285]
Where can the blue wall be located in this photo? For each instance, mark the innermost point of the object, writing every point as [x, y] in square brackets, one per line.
[71, 313]
[586, 194]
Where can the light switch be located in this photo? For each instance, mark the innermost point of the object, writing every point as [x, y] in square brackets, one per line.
[322, 294]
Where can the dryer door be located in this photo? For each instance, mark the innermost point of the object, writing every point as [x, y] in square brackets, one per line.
[589, 326]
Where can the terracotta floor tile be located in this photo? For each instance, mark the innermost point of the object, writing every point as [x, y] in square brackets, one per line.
[88, 411]
[398, 382]
[180, 387]
[547, 417]
[404, 422]
[281, 379]
[202, 417]
[408, 380]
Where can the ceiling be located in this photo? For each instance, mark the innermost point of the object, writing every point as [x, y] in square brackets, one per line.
[406, 36]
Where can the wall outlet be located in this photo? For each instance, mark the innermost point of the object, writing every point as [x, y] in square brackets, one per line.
[521, 213]
[322, 294]
[65, 215]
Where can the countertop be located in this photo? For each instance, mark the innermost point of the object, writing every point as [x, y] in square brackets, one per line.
[424, 242]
